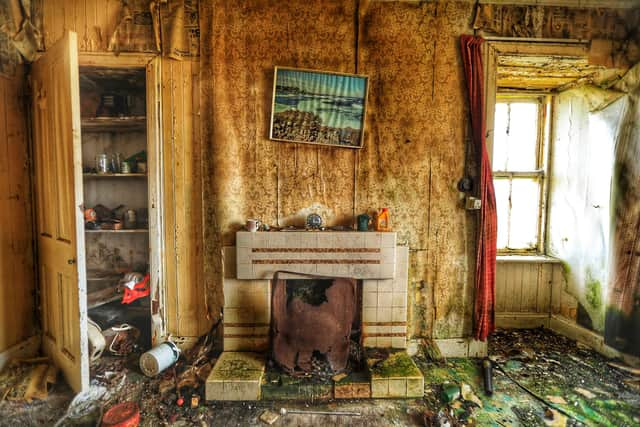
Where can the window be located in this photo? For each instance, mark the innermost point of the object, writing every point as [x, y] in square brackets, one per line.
[520, 131]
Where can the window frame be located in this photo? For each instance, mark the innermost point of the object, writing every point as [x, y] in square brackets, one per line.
[539, 174]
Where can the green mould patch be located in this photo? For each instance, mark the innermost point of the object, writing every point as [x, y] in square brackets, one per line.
[566, 270]
[397, 365]
[593, 294]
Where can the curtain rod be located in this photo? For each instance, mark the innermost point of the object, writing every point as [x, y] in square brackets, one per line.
[609, 4]
[534, 40]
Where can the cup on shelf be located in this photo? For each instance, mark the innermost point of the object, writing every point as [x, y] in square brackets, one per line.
[252, 225]
[125, 167]
[102, 163]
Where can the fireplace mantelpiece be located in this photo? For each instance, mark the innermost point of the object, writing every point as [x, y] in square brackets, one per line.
[358, 255]
[247, 294]
[247, 302]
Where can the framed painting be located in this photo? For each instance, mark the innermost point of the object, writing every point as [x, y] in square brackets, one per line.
[318, 107]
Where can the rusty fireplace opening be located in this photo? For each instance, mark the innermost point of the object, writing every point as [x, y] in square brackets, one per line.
[316, 326]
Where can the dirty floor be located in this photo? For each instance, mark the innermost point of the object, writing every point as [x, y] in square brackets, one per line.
[540, 378]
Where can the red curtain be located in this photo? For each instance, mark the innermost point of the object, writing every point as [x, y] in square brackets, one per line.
[487, 232]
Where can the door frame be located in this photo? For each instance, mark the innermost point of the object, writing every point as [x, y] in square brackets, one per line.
[153, 86]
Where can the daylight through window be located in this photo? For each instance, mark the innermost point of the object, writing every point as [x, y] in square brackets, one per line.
[519, 172]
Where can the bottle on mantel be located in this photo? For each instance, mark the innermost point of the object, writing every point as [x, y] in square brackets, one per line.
[382, 220]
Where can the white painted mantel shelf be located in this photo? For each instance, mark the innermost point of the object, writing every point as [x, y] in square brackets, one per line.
[359, 255]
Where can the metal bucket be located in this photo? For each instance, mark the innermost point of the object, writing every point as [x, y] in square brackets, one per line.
[159, 358]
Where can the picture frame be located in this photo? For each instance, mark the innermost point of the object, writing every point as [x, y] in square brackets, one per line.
[318, 107]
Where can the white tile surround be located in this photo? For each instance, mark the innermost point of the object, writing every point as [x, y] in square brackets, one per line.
[247, 296]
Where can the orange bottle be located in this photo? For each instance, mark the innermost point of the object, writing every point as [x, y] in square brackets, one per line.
[382, 220]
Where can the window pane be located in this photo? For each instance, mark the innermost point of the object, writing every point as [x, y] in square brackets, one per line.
[525, 200]
[502, 205]
[515, 136]
[500, 150]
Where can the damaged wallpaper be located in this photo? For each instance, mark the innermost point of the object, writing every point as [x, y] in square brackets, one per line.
[622, 321]
[414, 136]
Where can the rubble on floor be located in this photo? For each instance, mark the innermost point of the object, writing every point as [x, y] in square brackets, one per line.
[540, 379]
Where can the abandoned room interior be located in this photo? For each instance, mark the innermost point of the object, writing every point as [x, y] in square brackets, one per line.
[320, 212]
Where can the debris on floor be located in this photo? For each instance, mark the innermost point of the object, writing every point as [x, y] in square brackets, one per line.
[27, 379]
[540, 379]
[269, 417]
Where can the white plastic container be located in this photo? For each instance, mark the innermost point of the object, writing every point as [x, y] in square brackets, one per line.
[159, 358]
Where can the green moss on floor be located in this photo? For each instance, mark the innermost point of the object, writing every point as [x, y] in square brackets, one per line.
[280, 386]
[568, 377]
[355, 377]
[397, 365]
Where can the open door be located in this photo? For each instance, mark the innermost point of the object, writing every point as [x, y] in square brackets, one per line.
[59, 218]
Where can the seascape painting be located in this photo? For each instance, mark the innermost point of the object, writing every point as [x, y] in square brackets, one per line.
[318, 107]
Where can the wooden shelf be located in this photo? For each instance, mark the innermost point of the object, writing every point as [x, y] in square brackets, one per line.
[114, 124]
[103, 296]
[130, 230]
[102, 275]
[114, 175]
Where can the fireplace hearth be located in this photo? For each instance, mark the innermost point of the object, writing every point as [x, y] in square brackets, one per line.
[308, 328]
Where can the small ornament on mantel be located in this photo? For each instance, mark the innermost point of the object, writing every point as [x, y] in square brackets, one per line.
[383, 222]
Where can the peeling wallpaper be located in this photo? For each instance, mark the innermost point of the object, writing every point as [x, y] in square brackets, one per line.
[415, 137]
[414, 147]
[579, 203]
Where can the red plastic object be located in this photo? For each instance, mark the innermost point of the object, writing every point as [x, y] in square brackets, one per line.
[122, 415]
[139, 290]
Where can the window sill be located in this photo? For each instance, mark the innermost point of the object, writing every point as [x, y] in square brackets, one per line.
[535, 259]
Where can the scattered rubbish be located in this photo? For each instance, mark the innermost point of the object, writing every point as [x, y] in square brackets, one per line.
[27, 379]
[85, 409]
[450, 392]
[624, 368]
[487, 374]
[97, 343]
[553, 418]
[135, 286]
[339, 377]
[557, 399]
[122, 415]
[195, 401]
[269, 417]
[159, 358]
[124, 341]
[41, 376]
[441, 419]
[467, 394]
[431, 350]
[585, 393]
[284, 411]
[528, 416]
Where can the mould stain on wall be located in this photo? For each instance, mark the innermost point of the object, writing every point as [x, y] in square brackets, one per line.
[224, 169]
[414, 138]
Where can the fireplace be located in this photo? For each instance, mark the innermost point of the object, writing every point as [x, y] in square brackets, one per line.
[371, 257]
[315, 327]
[369, 262]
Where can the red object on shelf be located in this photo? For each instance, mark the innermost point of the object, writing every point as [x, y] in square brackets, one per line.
[139, 290]
[122, 415]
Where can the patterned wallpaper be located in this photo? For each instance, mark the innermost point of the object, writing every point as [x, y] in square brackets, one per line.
[414, 151]
[414, 139]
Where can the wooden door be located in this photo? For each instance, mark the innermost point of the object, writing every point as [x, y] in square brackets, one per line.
[59, 217]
